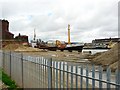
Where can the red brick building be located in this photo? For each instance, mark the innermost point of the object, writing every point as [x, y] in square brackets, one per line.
[7, 37]
[4, 31]
[23, 39]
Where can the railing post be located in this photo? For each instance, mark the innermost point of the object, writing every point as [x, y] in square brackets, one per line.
[10, 63]
[3, 60]
[57, 75]
[71, 78]
[76, 71]
[63, 75]
[22, 70]
[81, 78]
[93, 76]
[108, 77]
[50, 74]
[118, 78]
[100, 77]
[87, 80]
[67, 76]
[60, 75]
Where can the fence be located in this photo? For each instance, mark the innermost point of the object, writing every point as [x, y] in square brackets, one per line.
[41, 72]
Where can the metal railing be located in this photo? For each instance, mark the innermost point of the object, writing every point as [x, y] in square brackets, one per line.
[41, 72]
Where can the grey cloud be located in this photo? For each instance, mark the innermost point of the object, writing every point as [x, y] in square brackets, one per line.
[88, 19]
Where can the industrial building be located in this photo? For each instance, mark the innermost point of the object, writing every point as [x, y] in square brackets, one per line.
[4, 30]
[6, 37]
[107, 42]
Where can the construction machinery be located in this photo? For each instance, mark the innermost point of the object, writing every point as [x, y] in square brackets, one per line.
[111, 44]
[58, 45]
[69, 46]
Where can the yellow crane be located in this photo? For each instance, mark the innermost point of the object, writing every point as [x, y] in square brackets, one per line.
[69, 34]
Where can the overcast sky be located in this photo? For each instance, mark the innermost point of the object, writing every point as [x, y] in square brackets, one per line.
[89, 19]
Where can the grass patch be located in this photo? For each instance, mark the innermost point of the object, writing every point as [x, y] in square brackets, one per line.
[7, 81]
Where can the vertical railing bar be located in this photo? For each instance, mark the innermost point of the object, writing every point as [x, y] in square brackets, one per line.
[119, 79]
[32, 73]
[48, 63]
[39, 72]
[29, 75]
[35, 71]
[100, 77]
[3, 60]
[10, 63]
[87, 81]
[93, 76]
[71, 78]
[56, 75]
[76, 71]
[46, 73]
[53, 81]
[63, 75]
[116, 74]
[67, 76]
[108, 73]
[81, 78]
[60, 75]
[22, 71]
[42, 73]
[50, 74]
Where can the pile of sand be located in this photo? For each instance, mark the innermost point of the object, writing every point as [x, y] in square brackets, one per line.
[18, 47]
[26, 48]
[109, 58]
[11, 47]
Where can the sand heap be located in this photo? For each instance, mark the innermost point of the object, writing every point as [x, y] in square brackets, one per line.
[18, 47]
[11, 47]
[26, 48]
[109, 58]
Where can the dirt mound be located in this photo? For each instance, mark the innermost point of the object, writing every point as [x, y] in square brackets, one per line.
[109, 58]
[11, 47]
[18, 47]
[25, 48]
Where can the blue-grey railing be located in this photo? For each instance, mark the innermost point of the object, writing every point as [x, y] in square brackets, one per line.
[41, 72]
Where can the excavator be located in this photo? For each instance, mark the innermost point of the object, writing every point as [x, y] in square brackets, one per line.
[111, 44]
[60, 45]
